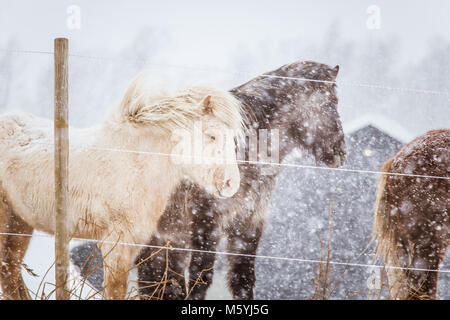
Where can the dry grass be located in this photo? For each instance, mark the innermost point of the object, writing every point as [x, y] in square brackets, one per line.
[81, 289]
[329, 277]
[324, 288]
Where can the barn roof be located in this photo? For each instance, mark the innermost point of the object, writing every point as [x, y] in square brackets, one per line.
[382, 123]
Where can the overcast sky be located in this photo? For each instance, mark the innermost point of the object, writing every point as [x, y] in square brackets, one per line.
[203, 32]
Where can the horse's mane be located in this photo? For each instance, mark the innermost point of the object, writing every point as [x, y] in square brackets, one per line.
[282, 83]
[152, 106]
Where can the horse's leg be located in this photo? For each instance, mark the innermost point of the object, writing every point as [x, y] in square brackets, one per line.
[13, 251]
[152, 270]
[205, 237]
[4, 217]
[177, 264]
[117, 262]
[243, 238]
[423, 284]
[411, 282]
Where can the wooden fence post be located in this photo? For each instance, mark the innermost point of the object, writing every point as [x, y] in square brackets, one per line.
[61, 130]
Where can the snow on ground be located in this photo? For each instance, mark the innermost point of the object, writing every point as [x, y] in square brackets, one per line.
[219, 289]
[40, 257]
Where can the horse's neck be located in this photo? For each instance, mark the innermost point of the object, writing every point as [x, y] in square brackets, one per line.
[149, 155]
[276, 120]
[286, 143]
[286, 146]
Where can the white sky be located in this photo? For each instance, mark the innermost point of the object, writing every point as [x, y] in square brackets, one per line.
[204, 32]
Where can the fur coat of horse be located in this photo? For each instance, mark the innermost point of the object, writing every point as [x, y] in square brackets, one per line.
[120, 178]
[412, 215]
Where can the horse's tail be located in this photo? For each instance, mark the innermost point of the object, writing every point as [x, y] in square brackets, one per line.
[385, 232]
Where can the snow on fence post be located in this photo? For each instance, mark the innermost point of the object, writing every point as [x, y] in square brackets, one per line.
[61, 131]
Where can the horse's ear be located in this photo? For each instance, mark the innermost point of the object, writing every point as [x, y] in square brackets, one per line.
[130, 105]
[206, 105]
[335, 72]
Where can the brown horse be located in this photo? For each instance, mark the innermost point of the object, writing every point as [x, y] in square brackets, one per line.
[305, 113]
[412, 215]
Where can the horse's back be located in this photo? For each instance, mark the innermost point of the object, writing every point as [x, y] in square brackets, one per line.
[21, 128]
[427, 154]
[426, 159]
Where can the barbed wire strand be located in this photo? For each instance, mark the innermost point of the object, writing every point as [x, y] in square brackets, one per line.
[235, 72]
[228, 253]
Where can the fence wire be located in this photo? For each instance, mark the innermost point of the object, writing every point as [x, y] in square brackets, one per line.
[315, 261]
[278, 164]
[235, 72]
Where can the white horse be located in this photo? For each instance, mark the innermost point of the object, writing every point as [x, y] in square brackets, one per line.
[121, 174]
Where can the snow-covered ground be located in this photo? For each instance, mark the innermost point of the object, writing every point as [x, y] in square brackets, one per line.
[40, 258]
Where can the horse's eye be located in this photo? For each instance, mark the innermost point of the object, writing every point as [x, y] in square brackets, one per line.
[212, 138]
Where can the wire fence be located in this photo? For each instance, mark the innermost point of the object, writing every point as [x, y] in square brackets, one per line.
[226, 253]
[265, 163]
[235, 72]
[291, 165]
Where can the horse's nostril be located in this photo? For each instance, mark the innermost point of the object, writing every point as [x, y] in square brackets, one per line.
[228, 183]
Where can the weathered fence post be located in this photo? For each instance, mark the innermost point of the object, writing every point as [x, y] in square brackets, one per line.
[61, 53]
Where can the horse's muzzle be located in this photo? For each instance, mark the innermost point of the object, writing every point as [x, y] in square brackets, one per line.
[339, 160]
[227, 189]
[337, 157]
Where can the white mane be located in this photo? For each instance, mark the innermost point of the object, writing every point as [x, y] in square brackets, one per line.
[143, 105]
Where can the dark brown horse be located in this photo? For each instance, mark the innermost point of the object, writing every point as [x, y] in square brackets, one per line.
[305, 113]
[412, 220]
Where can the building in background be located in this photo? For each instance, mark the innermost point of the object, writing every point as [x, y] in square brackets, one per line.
[299, 221]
